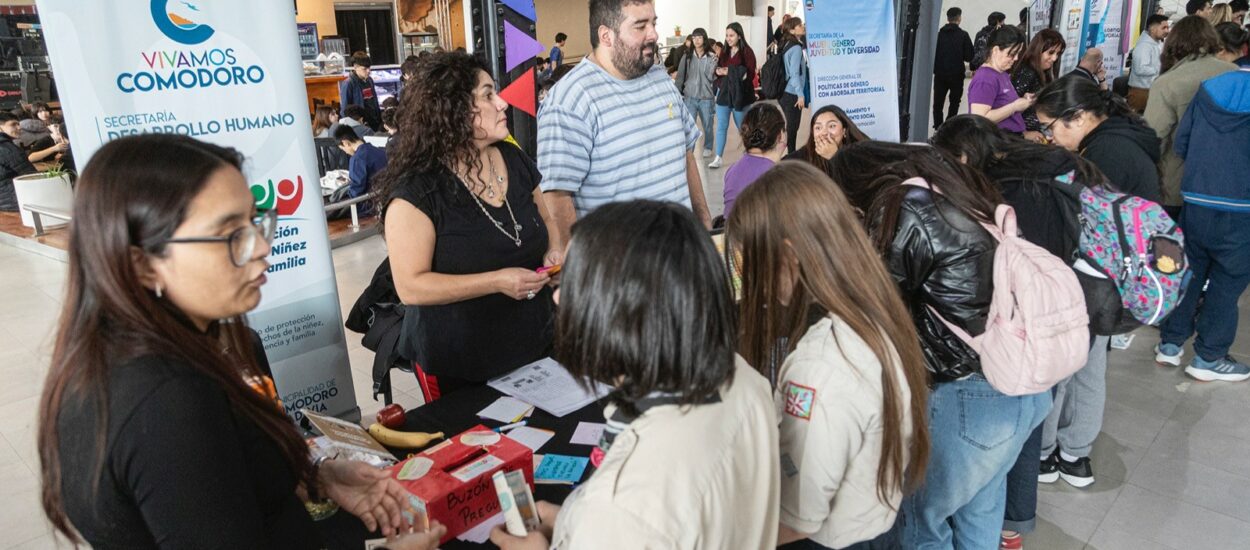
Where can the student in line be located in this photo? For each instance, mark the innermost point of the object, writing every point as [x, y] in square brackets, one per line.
[794, 100]
[831, 130]
[991, 93]
[763, 134]
[852, 385]
[691, 457]
[943, 262]
[735, 85]
[1034, 71]
[696, 75]
[159, 425]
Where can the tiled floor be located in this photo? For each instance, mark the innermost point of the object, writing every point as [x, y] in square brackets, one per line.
[1171, 461]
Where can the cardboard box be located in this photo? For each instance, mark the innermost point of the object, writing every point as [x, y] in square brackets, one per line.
[451, 482]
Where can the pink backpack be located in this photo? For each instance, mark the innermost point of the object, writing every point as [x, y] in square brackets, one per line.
[1037, 331]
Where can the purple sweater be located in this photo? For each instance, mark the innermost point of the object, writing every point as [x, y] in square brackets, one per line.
[741, 175]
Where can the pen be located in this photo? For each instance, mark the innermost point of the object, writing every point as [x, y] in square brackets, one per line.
[512, 426]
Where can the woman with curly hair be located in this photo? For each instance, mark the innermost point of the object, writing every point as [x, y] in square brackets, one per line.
[466, 230]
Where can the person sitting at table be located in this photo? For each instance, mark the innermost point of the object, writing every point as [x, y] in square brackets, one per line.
[690, 454]
[831, 130]
[13, 161]
[367, 162]
[852, 384]
[159, 424]
[466, 229]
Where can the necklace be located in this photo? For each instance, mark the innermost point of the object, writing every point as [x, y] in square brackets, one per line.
[516, 238]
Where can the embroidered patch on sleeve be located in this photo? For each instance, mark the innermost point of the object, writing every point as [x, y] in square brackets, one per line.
[799, 400]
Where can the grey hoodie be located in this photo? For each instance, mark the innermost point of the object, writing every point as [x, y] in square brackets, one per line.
[695, 76]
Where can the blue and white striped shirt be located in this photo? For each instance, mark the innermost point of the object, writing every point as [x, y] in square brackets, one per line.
[607, 140]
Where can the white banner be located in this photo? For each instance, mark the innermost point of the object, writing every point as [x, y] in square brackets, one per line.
[227, 72]
[1039, 16]
[1070, 22]
[1106, 21]
[854, 65]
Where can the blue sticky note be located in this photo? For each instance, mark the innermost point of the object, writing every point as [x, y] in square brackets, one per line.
[561, 469]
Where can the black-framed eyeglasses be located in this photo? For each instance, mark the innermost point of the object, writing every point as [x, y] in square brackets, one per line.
[241, 241]
[1049, 130]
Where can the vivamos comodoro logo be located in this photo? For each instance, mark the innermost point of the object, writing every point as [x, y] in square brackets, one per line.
[284, 195]
[180, 21]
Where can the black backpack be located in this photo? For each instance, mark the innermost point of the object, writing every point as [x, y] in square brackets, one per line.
[773, 75]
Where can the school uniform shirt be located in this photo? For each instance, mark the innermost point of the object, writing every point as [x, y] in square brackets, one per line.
[702, 477]
[829, 398]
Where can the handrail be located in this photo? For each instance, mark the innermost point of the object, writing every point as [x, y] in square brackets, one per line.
[37, 212]
[352, 204]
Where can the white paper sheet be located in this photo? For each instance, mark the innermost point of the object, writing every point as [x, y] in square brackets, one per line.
[533, 438]
[506, 409]
[481, 533]
[549, 386]
[588, 433]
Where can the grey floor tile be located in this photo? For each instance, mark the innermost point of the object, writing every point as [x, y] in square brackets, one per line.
[1113, 539]
[1077, 511]
[1199, 443]
[1154, 517]
[1053, 537]
[1194, 483]
[1130, 426]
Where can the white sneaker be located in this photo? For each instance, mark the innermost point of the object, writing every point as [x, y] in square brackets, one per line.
[707, 153]
[1168, 355]
[715, 163]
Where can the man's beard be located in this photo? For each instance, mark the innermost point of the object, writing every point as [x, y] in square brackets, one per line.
[634, 63]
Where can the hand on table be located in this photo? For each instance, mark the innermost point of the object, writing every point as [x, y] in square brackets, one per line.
[427, 540]
[366, 492]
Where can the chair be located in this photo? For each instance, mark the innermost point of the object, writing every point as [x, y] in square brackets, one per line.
[329, 156]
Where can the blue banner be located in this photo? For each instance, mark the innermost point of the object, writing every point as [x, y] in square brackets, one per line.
[852, 55]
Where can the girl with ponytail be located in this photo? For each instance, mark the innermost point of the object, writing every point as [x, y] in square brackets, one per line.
[1099, 125]
[763, 132]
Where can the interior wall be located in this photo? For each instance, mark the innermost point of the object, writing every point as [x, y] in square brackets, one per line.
[320, 12]
[571, 17]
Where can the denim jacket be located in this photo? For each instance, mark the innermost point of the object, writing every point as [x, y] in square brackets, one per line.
[796, 70]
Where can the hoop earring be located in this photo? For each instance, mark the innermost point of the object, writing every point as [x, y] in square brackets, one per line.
[159, 294]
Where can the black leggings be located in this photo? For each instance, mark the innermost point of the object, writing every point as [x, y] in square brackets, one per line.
[794, 115]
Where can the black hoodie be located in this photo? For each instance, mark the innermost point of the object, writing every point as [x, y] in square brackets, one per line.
[954, 48]
[1127, 152]
[1046, 199]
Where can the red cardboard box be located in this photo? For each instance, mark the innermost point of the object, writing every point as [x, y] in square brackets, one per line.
[450, 482]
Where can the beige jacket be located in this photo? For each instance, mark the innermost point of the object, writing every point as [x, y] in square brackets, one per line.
[1169, 99]
[700, 478]
[829, 398]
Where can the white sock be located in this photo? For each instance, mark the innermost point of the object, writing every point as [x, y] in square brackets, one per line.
[1046, 456]
[1067, 457]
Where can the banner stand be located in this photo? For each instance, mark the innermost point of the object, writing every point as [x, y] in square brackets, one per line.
[853, 62]
[227, 72]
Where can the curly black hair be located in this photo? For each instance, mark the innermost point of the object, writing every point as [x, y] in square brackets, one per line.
[436, 113]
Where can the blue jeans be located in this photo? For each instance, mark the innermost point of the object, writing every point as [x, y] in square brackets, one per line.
[976, 433]
[1217, 245]
[1021, 511]
[704, 109]
[722, 125]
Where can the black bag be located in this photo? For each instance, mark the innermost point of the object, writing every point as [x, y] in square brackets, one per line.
[379, 315]
[1107, 315]
[773, 75]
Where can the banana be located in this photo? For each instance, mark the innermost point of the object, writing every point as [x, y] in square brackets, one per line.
[403, 440]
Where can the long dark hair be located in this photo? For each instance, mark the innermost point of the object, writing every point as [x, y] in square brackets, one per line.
[872, 173]
[646, 305]
[1190, 38]
[787, 33]
[986, 148]
[1007, 38]
[130, 199]
[795, 209]
[1233, 36]
[1066, 98]
[1045, 41]
[743, 47]
[850, 134]
[762, 127]
[437, 109]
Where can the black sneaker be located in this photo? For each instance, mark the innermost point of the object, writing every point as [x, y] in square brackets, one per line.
[1049, 472]
[1078, 474]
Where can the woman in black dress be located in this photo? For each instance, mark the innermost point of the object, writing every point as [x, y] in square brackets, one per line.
[159, 425]
[1034, 71]
[466, 230]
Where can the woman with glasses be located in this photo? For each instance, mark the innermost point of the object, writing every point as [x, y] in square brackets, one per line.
[466, 230]
[1099, 125]
[159, 426]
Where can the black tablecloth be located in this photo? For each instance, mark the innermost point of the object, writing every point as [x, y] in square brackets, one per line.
[453, 414]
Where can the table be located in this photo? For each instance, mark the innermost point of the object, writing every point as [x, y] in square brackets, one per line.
[452, 414]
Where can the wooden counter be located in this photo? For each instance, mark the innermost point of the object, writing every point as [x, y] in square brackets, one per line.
[322, 90]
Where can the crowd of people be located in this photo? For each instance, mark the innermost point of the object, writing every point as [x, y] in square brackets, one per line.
[821, 382]
[30, 134]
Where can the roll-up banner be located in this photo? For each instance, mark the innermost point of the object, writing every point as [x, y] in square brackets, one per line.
[1071, 23]
[853, 62]
[226, 72]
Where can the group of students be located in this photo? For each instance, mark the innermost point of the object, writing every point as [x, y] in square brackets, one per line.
[29, 134]
[802, 388]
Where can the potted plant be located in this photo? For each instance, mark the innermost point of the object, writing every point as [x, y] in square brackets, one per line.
[677, 31]
[52, 188]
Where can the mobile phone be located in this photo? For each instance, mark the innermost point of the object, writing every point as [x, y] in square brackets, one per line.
[549, 270]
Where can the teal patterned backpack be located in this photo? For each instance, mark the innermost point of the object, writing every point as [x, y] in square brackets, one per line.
[1139, 247]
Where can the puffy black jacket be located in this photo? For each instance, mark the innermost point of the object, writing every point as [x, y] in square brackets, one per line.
[13, 163]
[943, 260]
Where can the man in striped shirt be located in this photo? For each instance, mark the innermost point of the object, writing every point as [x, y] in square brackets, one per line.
[615, 128]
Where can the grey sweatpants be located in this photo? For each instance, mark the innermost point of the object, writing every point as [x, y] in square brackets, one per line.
[1076, 417]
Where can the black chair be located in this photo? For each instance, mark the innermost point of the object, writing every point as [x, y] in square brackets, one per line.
[329, 156]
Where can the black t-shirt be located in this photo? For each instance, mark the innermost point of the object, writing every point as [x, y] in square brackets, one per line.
[478, 339]
[181, 470]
